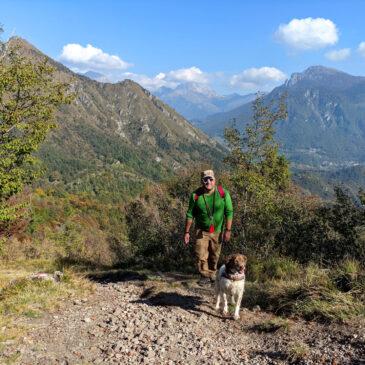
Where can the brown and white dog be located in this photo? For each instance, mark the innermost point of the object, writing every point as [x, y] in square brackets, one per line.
[230, 282]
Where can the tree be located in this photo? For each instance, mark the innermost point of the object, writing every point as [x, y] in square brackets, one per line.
[29, 96]
[256, 149]
[258, 172]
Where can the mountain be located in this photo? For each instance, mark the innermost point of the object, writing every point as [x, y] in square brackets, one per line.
[97, 76]
[322, 182]
[326, 118]
[195, 101]
[117, 135]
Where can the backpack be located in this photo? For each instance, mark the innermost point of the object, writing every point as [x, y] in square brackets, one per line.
[200, 192]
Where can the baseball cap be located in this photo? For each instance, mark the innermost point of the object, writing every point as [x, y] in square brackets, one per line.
[207, 173]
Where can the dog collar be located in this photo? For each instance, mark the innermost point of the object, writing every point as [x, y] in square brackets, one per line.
[234, 277]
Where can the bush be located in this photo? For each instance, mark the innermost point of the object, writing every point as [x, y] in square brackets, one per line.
[312, 293]
[281, 268]
[70, 229]
[155, 224]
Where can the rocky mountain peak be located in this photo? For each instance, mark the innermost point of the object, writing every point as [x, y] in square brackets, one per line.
[196, 101]
[318, 71]
[33, 54]
[193, 87]
[321, 74]
[21, 42]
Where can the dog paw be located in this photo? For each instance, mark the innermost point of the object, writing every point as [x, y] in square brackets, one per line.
[236, 317]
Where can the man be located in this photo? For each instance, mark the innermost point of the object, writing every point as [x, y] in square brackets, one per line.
[209, 205]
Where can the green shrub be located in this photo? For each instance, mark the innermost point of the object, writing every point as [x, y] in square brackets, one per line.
[311, 293]
[346, 275]
[281, 268]
[155, 229]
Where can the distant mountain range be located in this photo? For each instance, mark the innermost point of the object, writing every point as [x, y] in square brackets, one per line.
[195, 102]
[326, 118]
[118, 134]
[192, 100]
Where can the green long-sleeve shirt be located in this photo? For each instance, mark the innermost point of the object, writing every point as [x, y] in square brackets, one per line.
[197, 209]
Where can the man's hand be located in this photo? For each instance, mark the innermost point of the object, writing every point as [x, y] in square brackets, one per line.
[226, 236]
[187, 230]
[187, 238]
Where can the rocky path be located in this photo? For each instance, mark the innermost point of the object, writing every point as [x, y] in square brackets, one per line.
[131, 319]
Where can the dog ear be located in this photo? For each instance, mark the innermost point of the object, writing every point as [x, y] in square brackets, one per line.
[231, 262]
[244, 258]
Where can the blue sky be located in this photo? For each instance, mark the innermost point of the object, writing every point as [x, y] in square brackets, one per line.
[240, 46]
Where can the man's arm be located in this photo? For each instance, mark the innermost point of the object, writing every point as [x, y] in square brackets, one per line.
[228, 224]
[188, 224]
[189, 219]
[228, 212]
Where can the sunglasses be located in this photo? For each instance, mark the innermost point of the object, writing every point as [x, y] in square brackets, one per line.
[207, 179]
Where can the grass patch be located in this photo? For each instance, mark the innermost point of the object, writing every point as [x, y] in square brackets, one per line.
[314, 294]
[274, 325]
[12, 359]
[272, 268]
[298, 351]
[21, 298]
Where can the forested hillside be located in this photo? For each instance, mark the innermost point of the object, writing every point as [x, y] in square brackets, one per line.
[322, 182]
[118, 133]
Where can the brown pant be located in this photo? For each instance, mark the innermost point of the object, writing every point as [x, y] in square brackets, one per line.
[207, 251]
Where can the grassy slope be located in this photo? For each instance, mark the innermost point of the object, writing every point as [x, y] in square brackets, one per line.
[22, 299]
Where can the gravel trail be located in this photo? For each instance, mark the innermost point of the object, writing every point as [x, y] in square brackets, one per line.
[131, 319]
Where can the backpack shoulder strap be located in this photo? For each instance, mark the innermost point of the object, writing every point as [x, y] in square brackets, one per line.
[197, 193]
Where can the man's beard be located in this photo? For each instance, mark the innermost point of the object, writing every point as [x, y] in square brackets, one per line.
[207, 189]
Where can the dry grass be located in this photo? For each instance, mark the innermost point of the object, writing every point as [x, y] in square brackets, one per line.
[274, 325]
[297, 351]
[315, 294]
[21, 298]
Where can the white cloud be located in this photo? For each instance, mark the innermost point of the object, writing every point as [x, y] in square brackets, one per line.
[339, 55]
[192, 74]
[91, 58]
[256, 78]
[170, 79]
[251, 79]
[308, 33]
[361, 49]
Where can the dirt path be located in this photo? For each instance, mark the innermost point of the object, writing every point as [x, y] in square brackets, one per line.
[131, 319]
